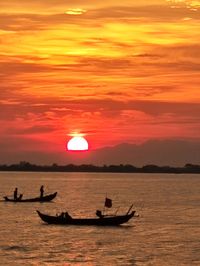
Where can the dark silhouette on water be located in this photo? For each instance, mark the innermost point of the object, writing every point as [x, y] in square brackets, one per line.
[99, 214]
[41, 191]
[15, 193]
[20, 197]
[65, 219]
[37, 199]
[101, 221]
[108, 203]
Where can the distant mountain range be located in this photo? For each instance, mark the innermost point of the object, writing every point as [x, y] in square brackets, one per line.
[163, 152]
[158, 152]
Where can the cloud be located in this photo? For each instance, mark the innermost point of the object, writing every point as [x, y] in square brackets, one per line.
[153, 12]
[105, 106]
[131, 121]
[38, 129]
[75, 11]
[13, 68]
[126, 70]
[16, 144]
[28, 20]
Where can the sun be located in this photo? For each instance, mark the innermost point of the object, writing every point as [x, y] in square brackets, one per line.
[77, 143]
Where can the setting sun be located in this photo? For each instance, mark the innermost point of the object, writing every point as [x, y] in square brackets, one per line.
[77, 144]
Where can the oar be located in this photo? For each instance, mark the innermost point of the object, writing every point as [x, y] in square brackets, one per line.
[129, 209]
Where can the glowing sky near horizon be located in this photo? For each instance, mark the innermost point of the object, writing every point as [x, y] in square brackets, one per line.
[116, 71]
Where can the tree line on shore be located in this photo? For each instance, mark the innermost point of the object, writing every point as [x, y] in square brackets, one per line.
[121, 168]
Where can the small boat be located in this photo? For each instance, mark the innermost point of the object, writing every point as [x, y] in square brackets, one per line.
[102, 221]
[37, 199]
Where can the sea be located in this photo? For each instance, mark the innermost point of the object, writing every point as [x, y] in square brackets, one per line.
[166, 231]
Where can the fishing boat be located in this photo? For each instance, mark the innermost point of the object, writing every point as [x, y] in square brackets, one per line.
[37, 199]
[100, 221]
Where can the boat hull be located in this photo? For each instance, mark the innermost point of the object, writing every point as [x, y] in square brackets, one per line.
[38, 199]
[105, 221]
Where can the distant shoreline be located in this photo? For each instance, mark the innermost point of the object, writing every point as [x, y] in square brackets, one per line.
[122, 168]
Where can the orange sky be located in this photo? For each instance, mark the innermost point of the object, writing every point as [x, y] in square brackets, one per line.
[116, 71]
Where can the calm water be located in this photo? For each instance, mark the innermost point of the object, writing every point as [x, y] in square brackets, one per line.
[167, 231]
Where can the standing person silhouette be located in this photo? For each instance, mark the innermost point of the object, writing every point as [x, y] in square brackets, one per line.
[41, 191]
[15, 193]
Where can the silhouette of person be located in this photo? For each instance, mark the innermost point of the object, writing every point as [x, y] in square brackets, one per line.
[15, 193]
[41, 191]
[67, 216]
[99, 214]
[20, 196]
[62, 215]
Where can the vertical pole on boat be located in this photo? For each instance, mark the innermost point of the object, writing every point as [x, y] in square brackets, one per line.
[104, 205]
[129, 209]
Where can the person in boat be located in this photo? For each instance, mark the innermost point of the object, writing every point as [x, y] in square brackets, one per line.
[15, 193]
[65, 215]
[62, 215]
[41, 191]
[20, 197]
[99, 214]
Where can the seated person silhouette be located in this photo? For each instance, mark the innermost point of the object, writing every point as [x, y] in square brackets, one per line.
[62, 215]
[67, 216]
[20, 197]
[99, 214]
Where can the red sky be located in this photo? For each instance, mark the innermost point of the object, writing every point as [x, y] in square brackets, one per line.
[116, 71]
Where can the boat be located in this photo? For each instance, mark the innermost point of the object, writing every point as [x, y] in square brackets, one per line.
[37, 199]
[64, 219]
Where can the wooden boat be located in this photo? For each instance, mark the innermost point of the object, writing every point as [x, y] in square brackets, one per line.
[37, 199]
[102, 221]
